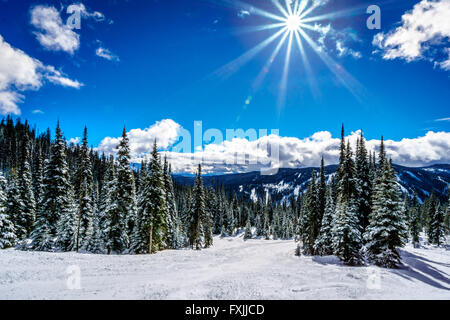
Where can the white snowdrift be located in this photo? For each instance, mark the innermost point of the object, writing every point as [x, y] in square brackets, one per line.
[232, 269]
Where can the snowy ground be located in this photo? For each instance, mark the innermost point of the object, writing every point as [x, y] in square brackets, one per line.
[232, 269]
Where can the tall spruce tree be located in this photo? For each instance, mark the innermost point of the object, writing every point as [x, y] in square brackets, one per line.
[85, 201]
[14, 205]
[386, 231]
[126, 200]
[56, 198]
[321, 192]
[115, 225]
[436, 229]
[347, 237]
[323, 244]
[38, 167]
[172, 217]
[363, 182]
[248, 230]
[311, 224]
[7, 232]
[414, 221]
[66, 230]
[28, 208]
[195, 236]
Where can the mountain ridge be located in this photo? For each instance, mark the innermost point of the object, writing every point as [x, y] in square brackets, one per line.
[287, 181]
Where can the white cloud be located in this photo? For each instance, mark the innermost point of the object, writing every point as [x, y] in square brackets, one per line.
[79, 7]
[234, 155]
[75, 140]
[54, 34]
[442, 119]
[345, 51]
[20, 72]
[141, 141]
[37, 111]
[426, 26]
[9, 101]
[106, 54]
[340, 39]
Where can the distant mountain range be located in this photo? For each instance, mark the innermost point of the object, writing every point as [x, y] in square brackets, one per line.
[286, 182]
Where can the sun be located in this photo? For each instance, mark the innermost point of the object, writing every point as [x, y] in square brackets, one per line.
[293, 23]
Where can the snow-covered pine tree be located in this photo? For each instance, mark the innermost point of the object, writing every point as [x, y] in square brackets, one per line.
[447, 214]
[38, 167]
[276, 225]
[381, 157]
[248, 230]
[85, 201]
[56, 198]
[96, 243]
[172, 218]
[347, 237]
[414, 221]
[266, 224]
[323, 244]
[207, 226]
[436, 229]
[387, 227]
[28, 208]
[151, 230]
[115, 228]
[311, 223]
[126, 197]
[14, 205]
[7, 232]
[363, 182]
[259, 224]
[197, 213]
[66, 232]
[321, 191]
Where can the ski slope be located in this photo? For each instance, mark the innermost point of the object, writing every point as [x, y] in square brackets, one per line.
[232, 269]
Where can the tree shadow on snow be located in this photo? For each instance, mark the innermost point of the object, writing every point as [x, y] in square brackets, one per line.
[428, 274]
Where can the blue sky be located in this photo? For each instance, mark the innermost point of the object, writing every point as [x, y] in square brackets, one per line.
[137, 62]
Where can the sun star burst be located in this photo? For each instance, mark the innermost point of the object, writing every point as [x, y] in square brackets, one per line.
[292, 24]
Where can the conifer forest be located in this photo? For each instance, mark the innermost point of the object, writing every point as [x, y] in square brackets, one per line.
[62, 197]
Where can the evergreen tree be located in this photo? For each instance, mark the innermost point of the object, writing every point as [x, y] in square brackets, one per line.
[28, 208]
[14, 205]
[347, 237]
[56, 200]
[115, 228]
[414, 221]
[197, 213]
[321, 192]
[126, 200]
[248, 230]
[152, 226]
[311, 218]
[323, 244]
[38, 175]
[7, 232]
[386, 231]
[85, 202]
[66, 232]
[96, 243]
[172, 218]
[436, 229]
[363, 182]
